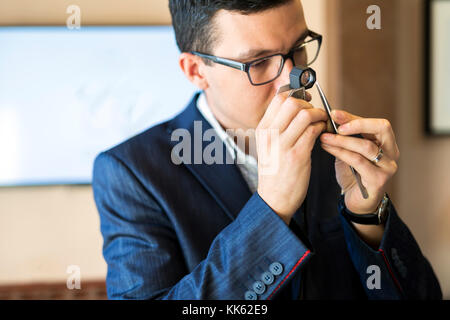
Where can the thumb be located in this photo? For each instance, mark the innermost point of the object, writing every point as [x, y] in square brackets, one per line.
[341, 116]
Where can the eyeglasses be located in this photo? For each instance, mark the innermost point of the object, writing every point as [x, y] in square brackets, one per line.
[264, 70]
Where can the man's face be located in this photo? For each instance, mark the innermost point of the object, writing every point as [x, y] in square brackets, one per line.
[234, 100]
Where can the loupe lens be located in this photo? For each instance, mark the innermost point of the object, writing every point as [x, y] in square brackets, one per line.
[307, 78]
[300, 77]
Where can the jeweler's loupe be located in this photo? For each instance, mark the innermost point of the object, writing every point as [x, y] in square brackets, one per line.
[300, 80]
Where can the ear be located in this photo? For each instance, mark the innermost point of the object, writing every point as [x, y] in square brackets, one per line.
[193, 67]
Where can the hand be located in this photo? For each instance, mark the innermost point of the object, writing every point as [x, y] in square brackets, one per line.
[357, 152]
[285, 138]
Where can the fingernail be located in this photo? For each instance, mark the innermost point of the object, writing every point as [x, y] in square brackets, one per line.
[326, 137]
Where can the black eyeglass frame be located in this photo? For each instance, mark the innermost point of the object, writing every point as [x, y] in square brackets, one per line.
[246, 66]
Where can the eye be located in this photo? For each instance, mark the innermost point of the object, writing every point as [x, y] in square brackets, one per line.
[261, 63]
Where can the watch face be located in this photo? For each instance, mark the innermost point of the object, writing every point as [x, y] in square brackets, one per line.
[381, 218]
[382, 215]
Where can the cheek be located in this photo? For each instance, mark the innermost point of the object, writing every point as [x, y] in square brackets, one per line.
[250, 103]
[258, 99]
[226, 78]
[239, 99]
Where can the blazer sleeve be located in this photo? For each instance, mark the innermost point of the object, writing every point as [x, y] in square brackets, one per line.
[252, 258]
[403, 270]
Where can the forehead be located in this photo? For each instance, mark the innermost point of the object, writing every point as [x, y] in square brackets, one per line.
[275, 29]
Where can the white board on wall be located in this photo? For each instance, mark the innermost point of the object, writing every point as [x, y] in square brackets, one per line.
[66, 95]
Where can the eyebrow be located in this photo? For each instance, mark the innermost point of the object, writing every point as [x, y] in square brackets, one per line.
[256, 53]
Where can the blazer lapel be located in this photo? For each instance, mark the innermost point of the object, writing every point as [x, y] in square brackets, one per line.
[223, 181]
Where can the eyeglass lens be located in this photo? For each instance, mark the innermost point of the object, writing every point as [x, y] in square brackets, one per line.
[268, 69]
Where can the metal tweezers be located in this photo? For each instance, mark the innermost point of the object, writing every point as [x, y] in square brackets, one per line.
[327, 108]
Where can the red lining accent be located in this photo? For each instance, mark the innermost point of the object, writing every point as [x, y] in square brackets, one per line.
[290, 272]
[390, 270]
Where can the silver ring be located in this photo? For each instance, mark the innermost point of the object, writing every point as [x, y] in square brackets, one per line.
[378, 157]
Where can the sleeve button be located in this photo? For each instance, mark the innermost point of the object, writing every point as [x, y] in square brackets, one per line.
[259, 287]
[250, 295]
[267, 278]
[276, 268]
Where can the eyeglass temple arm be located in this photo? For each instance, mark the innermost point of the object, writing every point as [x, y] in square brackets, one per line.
[317, 36]
[223, 61]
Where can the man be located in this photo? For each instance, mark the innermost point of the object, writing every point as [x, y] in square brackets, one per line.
[273, 224]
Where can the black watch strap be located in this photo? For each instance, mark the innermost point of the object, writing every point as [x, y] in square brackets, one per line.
[376, 218]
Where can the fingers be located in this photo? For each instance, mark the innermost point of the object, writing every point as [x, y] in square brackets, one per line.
[382, 130]
[309, 136]
[366, 148]
[341, 116]
[366, 125]
[292, 118]
[375, 177]
[272, 110]
[373, 129]
[274, 107]
[289, 110]
[301, 122]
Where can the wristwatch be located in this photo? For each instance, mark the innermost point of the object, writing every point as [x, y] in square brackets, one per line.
[376, 218]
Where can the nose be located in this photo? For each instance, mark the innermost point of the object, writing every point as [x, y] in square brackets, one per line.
[284, 76]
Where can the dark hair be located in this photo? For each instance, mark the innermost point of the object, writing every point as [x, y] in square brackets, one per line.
[193, 19]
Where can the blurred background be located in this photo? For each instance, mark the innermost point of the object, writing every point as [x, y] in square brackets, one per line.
[67, 94]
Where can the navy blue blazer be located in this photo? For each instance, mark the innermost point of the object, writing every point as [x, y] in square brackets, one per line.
[195, 231]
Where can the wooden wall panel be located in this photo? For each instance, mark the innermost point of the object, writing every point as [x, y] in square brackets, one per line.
[380, 74]
[363, 61]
